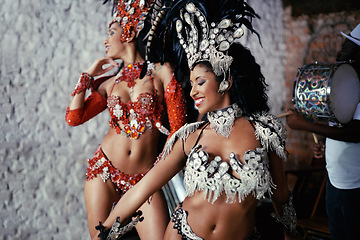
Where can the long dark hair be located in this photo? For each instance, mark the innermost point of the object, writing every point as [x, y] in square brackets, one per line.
[249, 87]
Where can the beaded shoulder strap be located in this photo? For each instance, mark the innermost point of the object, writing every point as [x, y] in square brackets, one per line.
[271, 133]
[182, 133]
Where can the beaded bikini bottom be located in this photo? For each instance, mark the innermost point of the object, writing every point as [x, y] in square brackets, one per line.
[100, 165]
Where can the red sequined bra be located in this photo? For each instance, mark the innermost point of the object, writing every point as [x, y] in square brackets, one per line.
[135, 116]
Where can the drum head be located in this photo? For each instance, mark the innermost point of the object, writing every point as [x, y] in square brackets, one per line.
[345, 93]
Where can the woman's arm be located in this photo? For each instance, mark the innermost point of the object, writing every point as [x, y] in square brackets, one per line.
[173, 96]
[281, 197]
[176, 106]
[86, 80]
[281, 192]
[91, 106]
[80, 109]
[157, 177]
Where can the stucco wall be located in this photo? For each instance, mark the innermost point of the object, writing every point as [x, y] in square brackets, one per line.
[271, 56]
[44, 46]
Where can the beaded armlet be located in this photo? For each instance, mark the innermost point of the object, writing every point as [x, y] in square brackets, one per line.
[116, 231]
[288, 217]
[84, 83]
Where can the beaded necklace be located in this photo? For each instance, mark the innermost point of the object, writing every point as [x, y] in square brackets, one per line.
[222, 120]
[129, 74]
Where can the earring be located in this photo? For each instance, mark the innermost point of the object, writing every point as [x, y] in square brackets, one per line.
[223, 86]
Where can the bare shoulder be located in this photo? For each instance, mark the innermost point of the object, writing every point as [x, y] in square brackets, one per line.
[243, 132]
[164, 68]
[163, 72]
[244, 126]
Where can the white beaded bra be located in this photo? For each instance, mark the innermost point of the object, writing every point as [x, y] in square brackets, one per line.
[213, 177]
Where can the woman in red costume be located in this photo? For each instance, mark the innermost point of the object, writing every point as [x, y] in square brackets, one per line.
[137, 107]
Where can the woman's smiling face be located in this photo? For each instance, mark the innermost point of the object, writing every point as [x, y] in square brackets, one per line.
[204, 90]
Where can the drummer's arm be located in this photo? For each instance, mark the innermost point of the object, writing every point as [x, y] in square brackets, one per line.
[348, 133]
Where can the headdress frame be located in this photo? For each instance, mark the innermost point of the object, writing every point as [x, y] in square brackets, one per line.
[205, 40]
[130, 14]
[204, 31]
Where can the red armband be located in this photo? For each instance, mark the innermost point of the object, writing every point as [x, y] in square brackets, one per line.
[176, 106]
[93, 105]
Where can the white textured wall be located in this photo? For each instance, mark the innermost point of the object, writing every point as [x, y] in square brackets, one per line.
[271, 56]
[44, 46]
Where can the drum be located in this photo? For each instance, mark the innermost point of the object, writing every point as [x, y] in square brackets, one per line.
[327, 92]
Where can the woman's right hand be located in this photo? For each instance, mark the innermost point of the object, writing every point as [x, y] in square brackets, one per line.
[96, 69]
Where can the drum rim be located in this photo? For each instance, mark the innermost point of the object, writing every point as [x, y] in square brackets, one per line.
[332, 66]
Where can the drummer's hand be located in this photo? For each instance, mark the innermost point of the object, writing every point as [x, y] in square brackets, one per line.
[296, 121]
[96, 69]
[318, 150]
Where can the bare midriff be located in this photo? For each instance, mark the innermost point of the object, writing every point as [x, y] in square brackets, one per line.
[220, 220]
[131, 156]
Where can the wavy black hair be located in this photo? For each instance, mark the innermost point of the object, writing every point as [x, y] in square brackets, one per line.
[249, 87]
